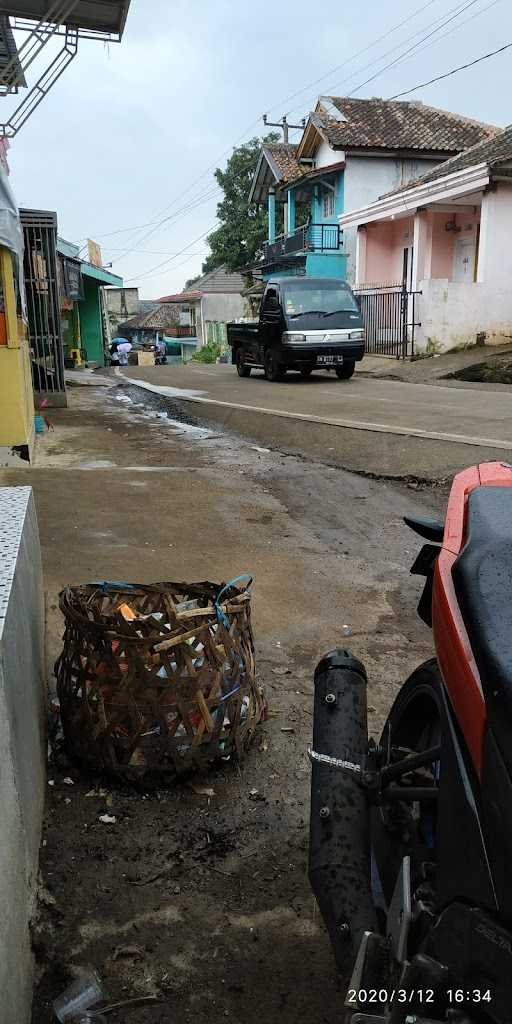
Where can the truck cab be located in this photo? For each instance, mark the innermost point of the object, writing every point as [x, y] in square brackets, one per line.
[304, 324]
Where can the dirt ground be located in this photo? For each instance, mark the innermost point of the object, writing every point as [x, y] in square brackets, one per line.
[204, 900]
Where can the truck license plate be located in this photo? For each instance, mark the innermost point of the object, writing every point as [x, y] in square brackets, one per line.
[329, 360]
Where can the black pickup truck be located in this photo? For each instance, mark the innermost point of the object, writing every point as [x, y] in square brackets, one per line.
[305, 324]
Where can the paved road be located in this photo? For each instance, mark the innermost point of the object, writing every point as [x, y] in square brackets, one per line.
[463, 415]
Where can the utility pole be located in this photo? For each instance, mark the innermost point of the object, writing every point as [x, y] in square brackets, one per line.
[283, 123]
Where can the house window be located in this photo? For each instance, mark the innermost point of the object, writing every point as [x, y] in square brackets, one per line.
[328, 202]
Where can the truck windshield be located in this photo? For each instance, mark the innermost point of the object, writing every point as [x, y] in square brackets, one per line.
[301, 301]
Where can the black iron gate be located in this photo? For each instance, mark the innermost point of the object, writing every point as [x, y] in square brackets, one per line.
[390, 316]
[43, 306]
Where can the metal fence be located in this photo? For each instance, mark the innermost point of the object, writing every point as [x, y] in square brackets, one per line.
[307, 238]
[43, 307]
[390, 316]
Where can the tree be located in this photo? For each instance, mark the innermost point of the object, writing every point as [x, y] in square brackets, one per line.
[191, 281]
[243, 228]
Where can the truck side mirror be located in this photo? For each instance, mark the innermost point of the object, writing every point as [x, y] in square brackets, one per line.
[272, 304]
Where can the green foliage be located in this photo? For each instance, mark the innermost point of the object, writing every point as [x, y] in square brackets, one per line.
[191, 281]
[207, 353]
[243, 228]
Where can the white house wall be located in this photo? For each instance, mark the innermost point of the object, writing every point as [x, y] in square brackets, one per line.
[366, 179]
[218, 307]
[494, 256]
[325, 155]
[454, 313]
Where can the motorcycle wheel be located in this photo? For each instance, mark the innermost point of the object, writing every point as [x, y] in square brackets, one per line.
[398, 829]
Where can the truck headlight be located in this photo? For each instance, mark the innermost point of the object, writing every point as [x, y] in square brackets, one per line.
[356, 335]
[289, 338]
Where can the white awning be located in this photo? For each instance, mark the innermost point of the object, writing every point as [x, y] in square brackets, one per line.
[442, 190]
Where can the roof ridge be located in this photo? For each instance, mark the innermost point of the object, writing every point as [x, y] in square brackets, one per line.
[420, 104]
[445, 168]
[458, 117]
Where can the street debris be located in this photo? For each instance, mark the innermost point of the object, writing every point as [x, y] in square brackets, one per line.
[81, 994]
[68, 782]
[347, 631]
[128, 952]
[254, 794]
[262, 451]
[108, 819]
[279, 670]
[287, 728]
[202, 790]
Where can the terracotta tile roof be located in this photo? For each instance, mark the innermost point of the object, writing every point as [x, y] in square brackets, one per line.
[283, 155]
[393, 124]
[490, 151]
[157, 319]
[182, 297]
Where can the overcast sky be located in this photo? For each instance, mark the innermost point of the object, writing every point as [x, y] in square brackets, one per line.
[131, 133]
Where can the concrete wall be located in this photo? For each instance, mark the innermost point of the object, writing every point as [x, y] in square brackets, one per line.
[22, 743]
[217, 307]
[122, 301]
[366, 179]
[325, 155]
[384, 258]
[495, 254]
[453, 314]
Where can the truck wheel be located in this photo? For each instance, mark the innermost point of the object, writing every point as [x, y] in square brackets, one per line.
[306, 371]
[241, 368]
[345, 372]
[273, 369]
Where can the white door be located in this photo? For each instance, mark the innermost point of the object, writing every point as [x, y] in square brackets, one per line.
[464, 260]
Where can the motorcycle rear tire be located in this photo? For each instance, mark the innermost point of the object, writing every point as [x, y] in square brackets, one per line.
[414, 722]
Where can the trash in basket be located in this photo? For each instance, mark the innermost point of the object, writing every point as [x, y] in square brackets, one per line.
[157, 676]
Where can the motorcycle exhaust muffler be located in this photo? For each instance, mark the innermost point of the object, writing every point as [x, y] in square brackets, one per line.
[339, 842]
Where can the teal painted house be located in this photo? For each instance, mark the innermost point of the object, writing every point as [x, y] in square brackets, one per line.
[304, 202]
[352, 151]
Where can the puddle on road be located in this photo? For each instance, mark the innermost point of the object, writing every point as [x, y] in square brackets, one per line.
[164, 391]
[177, 422]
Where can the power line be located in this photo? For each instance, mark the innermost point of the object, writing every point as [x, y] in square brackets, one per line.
[393, 62]
[164, 263]
[194, 203]
[157, 223]
[154, 252]
[436, 25]
[454, 13]
[208, 193]
[354, 57]
[450, 31]
[463, 67]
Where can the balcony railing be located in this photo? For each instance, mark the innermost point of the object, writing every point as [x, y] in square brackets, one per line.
[308, 238]
[180, 331]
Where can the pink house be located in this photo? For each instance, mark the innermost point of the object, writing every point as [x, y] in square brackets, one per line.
[445, 237]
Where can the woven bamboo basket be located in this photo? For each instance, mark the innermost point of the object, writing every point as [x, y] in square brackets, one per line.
[157, 678]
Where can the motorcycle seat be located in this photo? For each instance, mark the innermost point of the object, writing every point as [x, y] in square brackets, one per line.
[482, 577]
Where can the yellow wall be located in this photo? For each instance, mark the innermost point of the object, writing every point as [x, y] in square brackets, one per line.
[16, 398]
